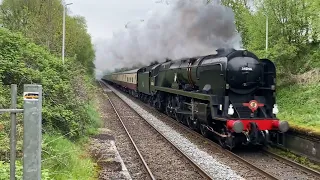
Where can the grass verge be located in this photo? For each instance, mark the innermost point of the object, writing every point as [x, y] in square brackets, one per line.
[71, 160]
[299, 105]
[94, 119]
[67, 160]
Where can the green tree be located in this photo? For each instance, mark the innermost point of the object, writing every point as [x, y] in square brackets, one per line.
[41, 21]
[293, 31]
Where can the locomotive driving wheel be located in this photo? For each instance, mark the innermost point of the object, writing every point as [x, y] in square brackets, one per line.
[169, 106]
[204, 131]
[158, 103]
[226, 142]
[190, 122]
[222, 140]
[204, 126]
[179, 117]
[178, 105]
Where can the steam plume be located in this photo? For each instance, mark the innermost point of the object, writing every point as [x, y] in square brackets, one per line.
[184, 28]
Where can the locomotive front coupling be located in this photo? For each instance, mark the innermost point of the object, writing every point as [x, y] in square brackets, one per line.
[256, 131]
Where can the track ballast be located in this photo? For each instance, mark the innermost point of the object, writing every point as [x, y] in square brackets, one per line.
[277, 167]
[161, 159]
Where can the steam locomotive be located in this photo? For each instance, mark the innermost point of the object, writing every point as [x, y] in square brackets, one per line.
[230, 95]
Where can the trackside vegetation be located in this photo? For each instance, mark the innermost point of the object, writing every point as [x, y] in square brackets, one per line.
[68, 113]
[300, 101]
[30, 53]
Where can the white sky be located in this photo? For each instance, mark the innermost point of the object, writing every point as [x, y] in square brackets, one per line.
[107, 16]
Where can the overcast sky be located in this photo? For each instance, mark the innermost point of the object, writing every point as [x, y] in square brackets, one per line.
[106, 16]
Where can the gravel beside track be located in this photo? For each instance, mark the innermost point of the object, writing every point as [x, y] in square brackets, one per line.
[124, 146]
[204, 145]
[207, 161]
[259, 159]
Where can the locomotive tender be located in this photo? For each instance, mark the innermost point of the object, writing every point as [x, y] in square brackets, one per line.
[230, 95]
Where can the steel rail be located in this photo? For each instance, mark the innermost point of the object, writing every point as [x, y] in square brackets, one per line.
[193, 163]
[218, 147]
[267, 152]
[240, 159]
[247, 163]
[227, 152]
[291, 163]
[132, 141]
[202, 172]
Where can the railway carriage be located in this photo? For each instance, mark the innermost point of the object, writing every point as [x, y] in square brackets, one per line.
[126, 80]
[230, 95]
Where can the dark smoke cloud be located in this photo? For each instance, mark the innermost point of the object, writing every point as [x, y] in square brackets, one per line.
[184, 28]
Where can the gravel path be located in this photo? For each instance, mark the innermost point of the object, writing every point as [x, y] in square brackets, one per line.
[163, 160]
[122, 141]
[209, 162]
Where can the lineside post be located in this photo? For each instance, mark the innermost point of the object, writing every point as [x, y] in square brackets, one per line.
[13, 132]
[32, 134]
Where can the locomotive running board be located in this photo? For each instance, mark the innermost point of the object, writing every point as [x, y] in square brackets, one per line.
[195, 95]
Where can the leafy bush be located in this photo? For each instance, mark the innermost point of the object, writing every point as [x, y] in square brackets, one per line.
[67, 109]
[23, 62]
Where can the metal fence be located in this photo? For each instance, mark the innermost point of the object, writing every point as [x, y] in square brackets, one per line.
[32, 136]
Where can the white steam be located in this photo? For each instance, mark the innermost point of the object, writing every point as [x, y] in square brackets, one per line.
[185, 28]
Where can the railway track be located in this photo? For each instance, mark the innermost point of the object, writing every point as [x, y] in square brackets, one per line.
[292, 163]
[281, 167]
[126, 149]
[150, 175]
[178, 168]
[263, 161]
[301, 144]
[266, 163]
